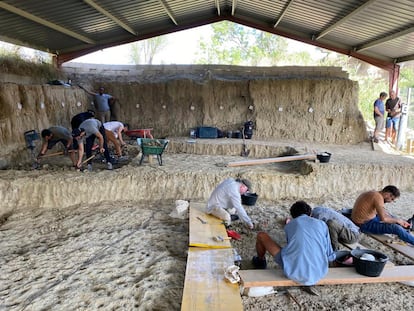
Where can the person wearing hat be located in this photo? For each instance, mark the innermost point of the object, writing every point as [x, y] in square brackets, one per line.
[225, 201]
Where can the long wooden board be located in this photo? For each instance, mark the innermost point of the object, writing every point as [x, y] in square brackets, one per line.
[272, 160]
[202, 235]
[345, 275]
[400, 246]
[205, 287]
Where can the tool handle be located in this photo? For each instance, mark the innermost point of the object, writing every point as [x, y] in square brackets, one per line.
[90, 158]
[51, 154]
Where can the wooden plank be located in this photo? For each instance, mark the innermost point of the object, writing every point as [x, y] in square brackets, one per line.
[398, 245]
[345, 275]
[205, 288]
[273, 160]
[352, 246]
[201, 235]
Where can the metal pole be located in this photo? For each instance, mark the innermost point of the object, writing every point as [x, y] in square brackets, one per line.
[403, 122]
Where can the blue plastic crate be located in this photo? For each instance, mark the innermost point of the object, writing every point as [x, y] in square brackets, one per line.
[207, 132]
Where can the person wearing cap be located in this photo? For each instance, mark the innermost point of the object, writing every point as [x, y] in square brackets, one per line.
[227, 197]
[93, 129]
[53, 135]
[102, 104]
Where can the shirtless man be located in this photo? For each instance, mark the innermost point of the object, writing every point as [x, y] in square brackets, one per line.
[370, 215]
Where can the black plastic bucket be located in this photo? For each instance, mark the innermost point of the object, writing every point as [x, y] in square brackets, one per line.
[249, 198]
[237, 134]
[324, 157]
[368, 267]
[342, 257]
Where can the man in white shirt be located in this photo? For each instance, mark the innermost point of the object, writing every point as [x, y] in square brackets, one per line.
[226, 196]
[113, 131]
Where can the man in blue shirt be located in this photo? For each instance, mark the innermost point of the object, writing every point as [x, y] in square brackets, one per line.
[102, 104]
[379, 110]
[305, 259]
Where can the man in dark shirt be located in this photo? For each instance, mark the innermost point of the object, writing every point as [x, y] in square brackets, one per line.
[393, 107]
[80, 117]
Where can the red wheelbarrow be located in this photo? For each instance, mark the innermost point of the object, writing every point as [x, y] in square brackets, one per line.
[139, 133]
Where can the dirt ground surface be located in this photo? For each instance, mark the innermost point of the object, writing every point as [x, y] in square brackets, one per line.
[128, 253]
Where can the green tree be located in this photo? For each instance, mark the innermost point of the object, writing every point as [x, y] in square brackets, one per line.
[143, 52]
[239, 45]
[235, 44]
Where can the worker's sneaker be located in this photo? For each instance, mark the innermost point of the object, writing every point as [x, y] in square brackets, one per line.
[259, 263]
[234, 217]
[89, 167]
[122, 158]
[110, 166]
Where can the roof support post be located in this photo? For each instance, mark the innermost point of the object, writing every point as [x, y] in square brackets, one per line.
[394, 74]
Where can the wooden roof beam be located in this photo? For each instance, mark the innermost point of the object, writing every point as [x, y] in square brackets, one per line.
[44, 22]
[110, 16]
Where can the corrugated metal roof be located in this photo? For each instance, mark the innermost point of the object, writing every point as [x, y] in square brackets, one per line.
[378, 31]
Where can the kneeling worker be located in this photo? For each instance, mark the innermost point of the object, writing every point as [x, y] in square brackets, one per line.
[227, 196]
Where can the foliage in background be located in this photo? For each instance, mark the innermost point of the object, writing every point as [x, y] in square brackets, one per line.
[234, 44]
[239, 45]
[37, 64]
[143, 52]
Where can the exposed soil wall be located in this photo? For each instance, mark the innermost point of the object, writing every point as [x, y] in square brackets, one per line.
[306, 105]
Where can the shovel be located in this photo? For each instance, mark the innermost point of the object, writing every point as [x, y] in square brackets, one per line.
[245, 152]
[51, 154]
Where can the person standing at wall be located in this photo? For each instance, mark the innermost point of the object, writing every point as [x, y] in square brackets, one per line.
[102, 104]
[379, 110]
[393, 108]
